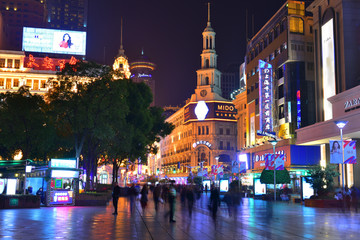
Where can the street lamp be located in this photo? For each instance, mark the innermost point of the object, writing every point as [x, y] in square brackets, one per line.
[273, 143]
[341, 125]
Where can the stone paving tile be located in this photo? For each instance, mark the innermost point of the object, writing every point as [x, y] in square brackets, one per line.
[256, 219]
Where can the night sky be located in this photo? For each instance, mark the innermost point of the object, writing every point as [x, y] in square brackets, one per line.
[170, 32]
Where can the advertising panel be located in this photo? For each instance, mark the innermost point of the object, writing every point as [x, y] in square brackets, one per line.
[252, 129]
[259, 189]
[206, 184]
[224, 185]
[265, 96]
[243, 167]
[64, 174]
[61, 197]
[328, 66]
[306, 190]
[214, 110]
[54, 41]
[2, 186]
[336, 152]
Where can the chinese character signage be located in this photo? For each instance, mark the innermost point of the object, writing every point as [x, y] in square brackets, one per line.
[47, 64]
[336, 152]
[265, 96]
[63, 163]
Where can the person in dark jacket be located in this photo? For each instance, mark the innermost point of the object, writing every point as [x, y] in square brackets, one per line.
[115, 196]
[214, 201]
[144, 197]
[156, 196]
[190, 199]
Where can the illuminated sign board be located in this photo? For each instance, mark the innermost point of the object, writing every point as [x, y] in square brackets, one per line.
[195, 144]
[64, 174]
[328, 66]
[61, 197]
[54, 41]
[259, 188]
[259, 159]
[265, 96]
[11, 187]
[63, 163]
[307, 190]
[47, 64]
[214, 110]
[224, 185]
[298, 106]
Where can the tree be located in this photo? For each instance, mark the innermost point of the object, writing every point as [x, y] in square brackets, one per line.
[25, 126]
[282, 177]
[322, 179]
[88, 106]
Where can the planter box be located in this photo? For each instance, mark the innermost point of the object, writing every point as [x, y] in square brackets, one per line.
[19, 201]
[323, 203]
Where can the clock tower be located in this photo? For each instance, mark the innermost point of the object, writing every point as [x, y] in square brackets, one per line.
[121, 62]
[208, 76]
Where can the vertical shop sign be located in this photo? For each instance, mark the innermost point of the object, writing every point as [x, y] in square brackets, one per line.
[265, 96]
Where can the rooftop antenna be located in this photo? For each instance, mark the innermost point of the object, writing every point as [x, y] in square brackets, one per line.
[121, 50]
[208, 22]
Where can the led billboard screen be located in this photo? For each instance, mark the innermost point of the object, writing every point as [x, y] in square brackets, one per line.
[328, 66]
[54, 41]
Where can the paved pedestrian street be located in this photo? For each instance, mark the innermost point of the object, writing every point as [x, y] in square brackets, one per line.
[256, 219]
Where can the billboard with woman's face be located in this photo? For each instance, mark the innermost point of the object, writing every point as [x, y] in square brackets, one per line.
[54, 41]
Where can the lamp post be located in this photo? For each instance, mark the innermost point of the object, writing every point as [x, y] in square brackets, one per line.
[341, 125]
[273, 143]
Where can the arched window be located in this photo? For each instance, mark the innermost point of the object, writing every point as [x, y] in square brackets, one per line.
[210, 40]
[207, 63]
[206, 80]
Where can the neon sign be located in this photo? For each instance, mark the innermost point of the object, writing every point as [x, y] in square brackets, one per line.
[266, 96]
[298, 104]
[63, 163]
[195, 144]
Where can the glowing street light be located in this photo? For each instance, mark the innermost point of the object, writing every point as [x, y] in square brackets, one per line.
[341, 125]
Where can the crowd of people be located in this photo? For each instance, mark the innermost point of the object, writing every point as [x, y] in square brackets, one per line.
[348, 198]
[166, 194]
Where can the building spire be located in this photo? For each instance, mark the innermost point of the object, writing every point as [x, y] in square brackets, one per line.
[208, 22]
[121, 50]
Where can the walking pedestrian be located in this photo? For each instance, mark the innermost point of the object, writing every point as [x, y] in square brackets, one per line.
[354, 198]
[206, 188]
[132, 195]
[172, 201]
[115, 196]
[214, 201]
[144, 197]
[156, 196]
[190, 199]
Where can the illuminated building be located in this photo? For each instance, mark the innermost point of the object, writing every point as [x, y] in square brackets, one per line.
[280, 89]
[67, 14]
[18, 69]
[20, 13]
[142, 71]
[121, 62]
[337, 74]
[205, 128]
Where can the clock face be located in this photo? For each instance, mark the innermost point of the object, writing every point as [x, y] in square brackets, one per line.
[203, 93]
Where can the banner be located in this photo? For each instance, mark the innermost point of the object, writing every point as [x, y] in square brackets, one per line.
[242, 167]
[336, 152]
[350, 152]
[235, 166]
[279, 161]
[269, 161]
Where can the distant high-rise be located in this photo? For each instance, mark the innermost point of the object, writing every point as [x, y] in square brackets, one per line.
[67, 14]
[142, 71]
[17, 14]
[230, 80]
